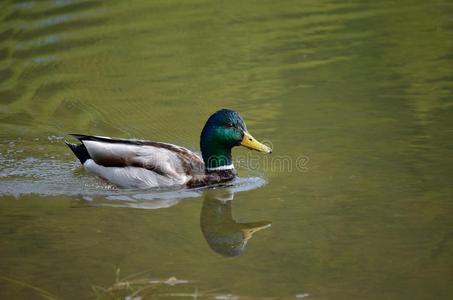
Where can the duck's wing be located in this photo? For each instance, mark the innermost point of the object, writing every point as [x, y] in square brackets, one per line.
[163, 158]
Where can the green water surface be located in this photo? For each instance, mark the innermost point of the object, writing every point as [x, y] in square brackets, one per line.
[356, 98]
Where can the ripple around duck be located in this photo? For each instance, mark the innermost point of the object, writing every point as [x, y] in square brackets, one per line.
[23, 173]
[52, 177]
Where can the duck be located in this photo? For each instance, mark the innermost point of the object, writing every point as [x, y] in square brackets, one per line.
[143, 164]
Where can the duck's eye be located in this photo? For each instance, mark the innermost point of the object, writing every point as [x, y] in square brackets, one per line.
[229, 125]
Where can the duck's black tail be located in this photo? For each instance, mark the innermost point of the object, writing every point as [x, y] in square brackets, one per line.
[80, 151]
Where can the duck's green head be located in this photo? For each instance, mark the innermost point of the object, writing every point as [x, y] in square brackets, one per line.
[224, 130]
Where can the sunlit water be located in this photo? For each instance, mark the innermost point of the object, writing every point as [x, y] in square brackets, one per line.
[354, 203]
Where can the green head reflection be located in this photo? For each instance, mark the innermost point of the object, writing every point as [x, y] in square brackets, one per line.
[223, 234]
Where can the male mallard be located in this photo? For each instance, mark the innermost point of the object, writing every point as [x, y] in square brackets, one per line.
[147, 164]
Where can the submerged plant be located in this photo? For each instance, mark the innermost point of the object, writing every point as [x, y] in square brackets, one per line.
[137, 287]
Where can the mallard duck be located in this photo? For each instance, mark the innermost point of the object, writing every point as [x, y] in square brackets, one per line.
[147, 164]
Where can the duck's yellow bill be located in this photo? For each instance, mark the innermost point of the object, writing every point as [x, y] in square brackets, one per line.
[249, 141]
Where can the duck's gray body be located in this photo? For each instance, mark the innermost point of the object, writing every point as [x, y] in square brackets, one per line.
[138, 163]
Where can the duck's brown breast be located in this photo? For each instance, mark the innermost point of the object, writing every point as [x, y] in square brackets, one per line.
[211, 178]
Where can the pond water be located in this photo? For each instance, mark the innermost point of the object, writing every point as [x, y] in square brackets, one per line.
[354, 203]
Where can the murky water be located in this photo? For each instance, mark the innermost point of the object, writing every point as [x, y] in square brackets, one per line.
[355, 202]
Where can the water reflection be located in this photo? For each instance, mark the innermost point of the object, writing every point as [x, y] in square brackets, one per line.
[223, 233]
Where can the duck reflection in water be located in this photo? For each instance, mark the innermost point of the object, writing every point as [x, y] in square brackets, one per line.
[223, 234]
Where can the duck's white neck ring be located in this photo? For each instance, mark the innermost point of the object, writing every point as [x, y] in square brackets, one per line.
[221, 168]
